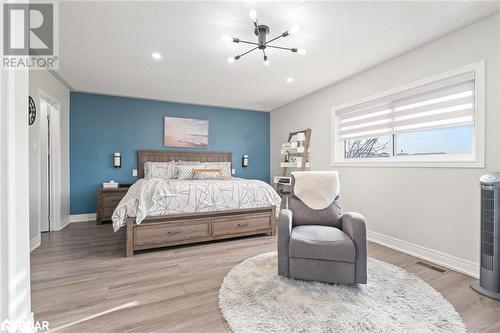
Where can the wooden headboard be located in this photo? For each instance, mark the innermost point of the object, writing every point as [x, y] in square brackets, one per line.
[144, 156]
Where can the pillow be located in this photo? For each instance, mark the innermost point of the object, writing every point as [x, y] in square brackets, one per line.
[164, 170]
[176, 171]
[185, 172]
[224, 166]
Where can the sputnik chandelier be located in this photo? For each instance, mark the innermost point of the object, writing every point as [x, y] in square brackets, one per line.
[261, 31]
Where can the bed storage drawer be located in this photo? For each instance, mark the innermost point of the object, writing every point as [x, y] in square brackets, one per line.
[171, 232]
[161, 231]
[240, 224]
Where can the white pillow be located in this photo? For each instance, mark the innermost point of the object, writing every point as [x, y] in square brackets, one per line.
[164, 170]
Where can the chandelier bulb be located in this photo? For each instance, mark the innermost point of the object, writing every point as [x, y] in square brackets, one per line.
[293, 30]
[253, 15]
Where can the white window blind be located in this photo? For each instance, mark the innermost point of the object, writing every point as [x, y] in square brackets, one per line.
[445, 103]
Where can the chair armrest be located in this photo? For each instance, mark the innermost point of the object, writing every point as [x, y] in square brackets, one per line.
[285, 225]
[353, 224]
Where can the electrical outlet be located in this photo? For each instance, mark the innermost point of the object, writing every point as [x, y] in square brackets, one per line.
[134, 172]
[233, 171]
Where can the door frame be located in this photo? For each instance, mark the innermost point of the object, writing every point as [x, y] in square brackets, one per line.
[55, 160]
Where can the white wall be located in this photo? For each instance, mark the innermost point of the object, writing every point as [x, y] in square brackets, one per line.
[14, 186]
[45, 82]
[434, 208]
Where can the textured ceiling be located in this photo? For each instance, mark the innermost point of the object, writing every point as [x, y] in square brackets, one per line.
[106, 47]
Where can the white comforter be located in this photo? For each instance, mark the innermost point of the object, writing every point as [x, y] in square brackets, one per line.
[157, 197]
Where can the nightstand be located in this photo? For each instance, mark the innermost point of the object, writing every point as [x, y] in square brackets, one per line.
[107, 200]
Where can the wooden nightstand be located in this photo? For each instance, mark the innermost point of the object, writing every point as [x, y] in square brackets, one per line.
[107, 200]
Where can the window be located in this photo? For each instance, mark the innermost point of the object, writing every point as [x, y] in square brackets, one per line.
[449, 140]
[380, 146]
[433, 122]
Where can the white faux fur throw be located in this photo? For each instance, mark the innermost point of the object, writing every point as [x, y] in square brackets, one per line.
[316, 189]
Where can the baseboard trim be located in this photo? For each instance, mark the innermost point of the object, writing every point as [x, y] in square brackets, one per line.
[451, 262]
[82, 218]
[66, 221]
[35, 242]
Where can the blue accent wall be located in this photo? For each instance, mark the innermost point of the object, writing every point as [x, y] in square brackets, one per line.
[101, 125]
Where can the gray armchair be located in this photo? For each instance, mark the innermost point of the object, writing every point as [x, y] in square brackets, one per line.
[321, 245]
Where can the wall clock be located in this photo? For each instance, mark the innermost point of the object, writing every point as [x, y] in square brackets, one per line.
[31, 111]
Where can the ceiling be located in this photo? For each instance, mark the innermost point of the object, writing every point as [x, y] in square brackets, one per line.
[105, 47]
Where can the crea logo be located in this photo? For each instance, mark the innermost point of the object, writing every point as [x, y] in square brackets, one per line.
[29, 35]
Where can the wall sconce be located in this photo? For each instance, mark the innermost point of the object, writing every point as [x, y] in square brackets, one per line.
[117, 160]
[244, 161]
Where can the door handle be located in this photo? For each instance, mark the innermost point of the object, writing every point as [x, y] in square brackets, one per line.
[242, 224]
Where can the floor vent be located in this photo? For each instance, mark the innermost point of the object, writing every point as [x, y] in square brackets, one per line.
[431, 266]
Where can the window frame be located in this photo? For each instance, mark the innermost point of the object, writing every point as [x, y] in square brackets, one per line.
[474, 160]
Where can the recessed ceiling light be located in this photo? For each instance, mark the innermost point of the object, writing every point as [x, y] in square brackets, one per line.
[156, 56]
[289, 80]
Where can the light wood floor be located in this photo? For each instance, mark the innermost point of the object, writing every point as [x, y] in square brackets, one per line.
[81, 282]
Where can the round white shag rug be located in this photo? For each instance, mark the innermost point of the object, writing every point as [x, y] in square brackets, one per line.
[254, 298]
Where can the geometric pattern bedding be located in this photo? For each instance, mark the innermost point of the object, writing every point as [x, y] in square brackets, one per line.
[204, 196]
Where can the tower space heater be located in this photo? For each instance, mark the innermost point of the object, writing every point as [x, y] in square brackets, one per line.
[489, 275]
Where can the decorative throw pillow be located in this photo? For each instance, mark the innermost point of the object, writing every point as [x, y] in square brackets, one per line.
[225, 167]
[186, 171]
[180, 162]
[164, 170]
[209, 174]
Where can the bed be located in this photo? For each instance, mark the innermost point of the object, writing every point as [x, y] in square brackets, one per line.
[192, 211]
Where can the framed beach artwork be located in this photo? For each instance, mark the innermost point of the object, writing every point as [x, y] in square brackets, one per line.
[185, 132]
